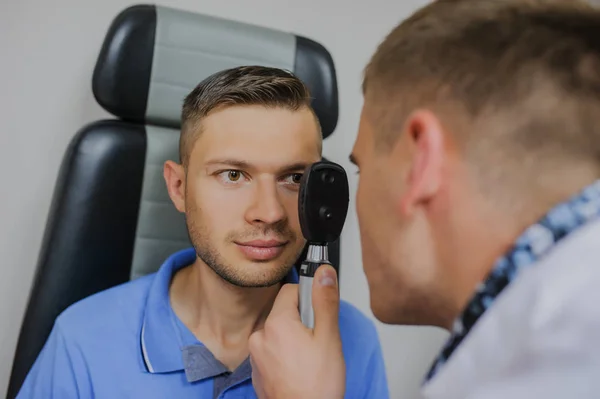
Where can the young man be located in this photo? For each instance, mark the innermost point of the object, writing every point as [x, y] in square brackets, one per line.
[247, 135]
[478, 203]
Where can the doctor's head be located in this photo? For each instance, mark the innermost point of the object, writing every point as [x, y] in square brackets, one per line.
[478, 117]
[247, 135]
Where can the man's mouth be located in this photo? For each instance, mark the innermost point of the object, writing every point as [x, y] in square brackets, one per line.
[261, 250]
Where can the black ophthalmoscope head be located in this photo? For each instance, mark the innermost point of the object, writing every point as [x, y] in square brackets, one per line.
[323, 202]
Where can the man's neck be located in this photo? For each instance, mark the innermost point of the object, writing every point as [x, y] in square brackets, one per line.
[222, 316]
[487, 234]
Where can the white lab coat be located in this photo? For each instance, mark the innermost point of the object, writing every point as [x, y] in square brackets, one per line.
[541, 337]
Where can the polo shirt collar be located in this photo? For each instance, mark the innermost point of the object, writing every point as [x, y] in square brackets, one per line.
[163, 348]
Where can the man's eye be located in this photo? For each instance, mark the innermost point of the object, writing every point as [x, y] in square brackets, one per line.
[230, 176]
[233, 175]
[294, 178]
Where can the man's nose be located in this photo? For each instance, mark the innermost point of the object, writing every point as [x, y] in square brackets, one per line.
[266, 205]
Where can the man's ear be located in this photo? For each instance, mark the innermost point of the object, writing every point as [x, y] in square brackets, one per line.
[175, 178]
[423, 139]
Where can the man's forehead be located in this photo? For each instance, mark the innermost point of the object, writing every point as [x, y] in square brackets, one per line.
[242, 118]
[364, 137]
[272, 151]
[259, 136]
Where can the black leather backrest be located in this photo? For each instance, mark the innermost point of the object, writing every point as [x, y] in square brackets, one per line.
[153, 53]
[88, 241]
[151, 57]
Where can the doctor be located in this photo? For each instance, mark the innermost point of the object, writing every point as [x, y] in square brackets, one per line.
[478, 203]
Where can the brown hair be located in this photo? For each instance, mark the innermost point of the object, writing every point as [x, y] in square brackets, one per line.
[245, 85]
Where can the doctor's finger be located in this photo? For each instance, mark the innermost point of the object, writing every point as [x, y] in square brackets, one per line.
[256, 379]
[326, 300]
[286, 303]
[256, 345]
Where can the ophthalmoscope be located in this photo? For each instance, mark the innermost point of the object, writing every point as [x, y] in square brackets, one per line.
[322, 207]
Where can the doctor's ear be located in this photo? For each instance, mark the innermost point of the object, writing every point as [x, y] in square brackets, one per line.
[423, 148]
[174, 175]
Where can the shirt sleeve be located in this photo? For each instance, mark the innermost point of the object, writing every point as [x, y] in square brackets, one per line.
[57, 371]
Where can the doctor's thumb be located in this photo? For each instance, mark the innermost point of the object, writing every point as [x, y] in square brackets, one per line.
[326, 301]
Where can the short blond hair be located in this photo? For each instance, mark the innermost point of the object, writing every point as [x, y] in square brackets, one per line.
[491, 55]
[519, 79]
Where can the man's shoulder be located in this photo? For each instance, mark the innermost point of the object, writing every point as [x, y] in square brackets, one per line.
[355, 326]
[114, 310]
[548, 311]
[560, 290]
[365, 367]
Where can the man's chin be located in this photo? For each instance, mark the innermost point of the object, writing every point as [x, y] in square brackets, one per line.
[389, 312]
[258, 274]
[383, 314]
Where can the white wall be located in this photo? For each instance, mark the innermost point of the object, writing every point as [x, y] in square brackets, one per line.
[47, 52]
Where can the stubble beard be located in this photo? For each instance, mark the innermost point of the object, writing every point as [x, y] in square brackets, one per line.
[207, 252]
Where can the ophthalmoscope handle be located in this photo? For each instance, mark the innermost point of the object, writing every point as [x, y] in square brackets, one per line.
[307, 273]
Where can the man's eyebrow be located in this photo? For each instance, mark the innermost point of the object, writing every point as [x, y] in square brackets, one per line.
[298, 166]
[353, 159]
[236, 163]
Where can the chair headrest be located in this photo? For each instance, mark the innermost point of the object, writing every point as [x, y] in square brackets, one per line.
[153, 56]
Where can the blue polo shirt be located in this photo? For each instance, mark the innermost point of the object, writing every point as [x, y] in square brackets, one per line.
[126, 342]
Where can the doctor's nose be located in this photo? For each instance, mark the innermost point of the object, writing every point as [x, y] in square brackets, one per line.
[266, 206]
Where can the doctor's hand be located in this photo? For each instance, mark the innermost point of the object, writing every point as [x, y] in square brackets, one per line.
[291, 361]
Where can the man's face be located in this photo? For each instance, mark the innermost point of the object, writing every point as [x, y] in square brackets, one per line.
[241, 196]
[397, 245]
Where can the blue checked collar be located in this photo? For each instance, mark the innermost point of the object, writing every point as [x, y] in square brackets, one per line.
[536, 241]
